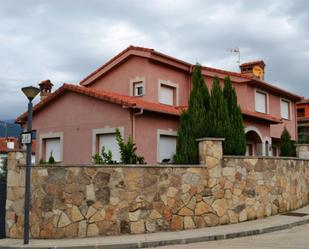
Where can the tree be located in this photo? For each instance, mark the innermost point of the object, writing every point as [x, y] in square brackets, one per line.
[186, 149]
[193, 122]
[219, 117]
[235, 140]
[287, 147]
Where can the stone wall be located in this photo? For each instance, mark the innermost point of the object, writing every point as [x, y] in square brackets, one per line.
[82, 201]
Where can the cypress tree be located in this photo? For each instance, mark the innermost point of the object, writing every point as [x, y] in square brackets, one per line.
[193, 123]
[235, 140]
[218, 115]
[187, 149]
[287, 147]
[218, 111]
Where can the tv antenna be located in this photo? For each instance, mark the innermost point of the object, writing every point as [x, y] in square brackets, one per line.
[236, 52]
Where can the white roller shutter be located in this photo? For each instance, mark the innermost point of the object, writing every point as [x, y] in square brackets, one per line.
[260, 102]
[166, 95]
[285, 109]
[110, 143]
[52, 147]
[167, 147]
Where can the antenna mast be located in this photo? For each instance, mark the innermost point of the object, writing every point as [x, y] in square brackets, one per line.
[236, 52]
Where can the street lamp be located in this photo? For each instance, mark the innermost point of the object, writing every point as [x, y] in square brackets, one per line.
[30, 93]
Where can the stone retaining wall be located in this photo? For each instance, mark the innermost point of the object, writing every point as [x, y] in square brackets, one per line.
[82, 201]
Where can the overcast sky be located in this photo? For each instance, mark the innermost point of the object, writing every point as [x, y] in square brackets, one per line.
[67, 39]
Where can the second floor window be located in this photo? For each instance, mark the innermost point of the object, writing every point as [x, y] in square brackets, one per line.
[285, 109]
[261, 102]
[138, 89]
[167, 94]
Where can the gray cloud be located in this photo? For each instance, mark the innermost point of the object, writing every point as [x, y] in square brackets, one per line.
[66, 40]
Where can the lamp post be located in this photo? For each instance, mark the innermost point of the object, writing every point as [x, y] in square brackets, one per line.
[30, 93]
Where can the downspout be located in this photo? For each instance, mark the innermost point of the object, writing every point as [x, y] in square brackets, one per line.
[134, 114]
[132, 117]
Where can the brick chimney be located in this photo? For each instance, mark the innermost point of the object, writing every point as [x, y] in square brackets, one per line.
[254, 69]
[45, 87]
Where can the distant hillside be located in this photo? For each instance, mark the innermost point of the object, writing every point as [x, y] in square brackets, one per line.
[9, 129]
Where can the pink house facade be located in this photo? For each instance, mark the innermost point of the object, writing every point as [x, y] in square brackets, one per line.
[142, 92]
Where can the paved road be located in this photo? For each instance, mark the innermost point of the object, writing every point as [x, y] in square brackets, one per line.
[295, 238]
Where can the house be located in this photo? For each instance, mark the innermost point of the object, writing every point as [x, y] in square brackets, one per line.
[8, 144]
[142, 92]
[303, 117]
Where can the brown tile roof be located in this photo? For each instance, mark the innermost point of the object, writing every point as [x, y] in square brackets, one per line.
[243, 78]
[262, 116]
[129, 101]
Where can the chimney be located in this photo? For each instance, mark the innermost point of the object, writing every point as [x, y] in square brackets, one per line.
[254, 69]
[45, 87]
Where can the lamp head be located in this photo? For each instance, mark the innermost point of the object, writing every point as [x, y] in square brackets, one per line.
[30, 92]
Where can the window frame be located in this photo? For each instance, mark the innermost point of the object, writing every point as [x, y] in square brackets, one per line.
[289, 108]
[103, 131]
[266, 101]
[42, 145]
[169, 132]
[168, 83]
[137, 80]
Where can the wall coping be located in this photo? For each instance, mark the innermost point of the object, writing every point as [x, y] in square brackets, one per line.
[264, 157]
[42, 166]
[210, 139]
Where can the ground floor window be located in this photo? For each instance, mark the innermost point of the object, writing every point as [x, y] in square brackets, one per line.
[52, 148]
[51, 144]
[106, 137]
[110, 143]
[167, 140]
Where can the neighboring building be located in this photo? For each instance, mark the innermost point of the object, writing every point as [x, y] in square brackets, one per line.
[142, 92]
[303, 119]
[6, 144]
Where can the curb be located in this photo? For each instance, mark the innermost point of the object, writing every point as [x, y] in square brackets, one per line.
[188, 240]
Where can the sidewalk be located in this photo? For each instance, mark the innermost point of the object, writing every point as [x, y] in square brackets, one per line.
[266, 225]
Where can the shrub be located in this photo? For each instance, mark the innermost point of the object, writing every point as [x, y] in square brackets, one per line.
[51, 159]
[104, 158]
[287, 147]
[128, 150]
[3, 170]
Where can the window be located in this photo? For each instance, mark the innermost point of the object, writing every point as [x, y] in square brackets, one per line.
[106, 137]
[51, 143]
[52, 148]
[167, 148]
[261, 102]
[167, 95]
[300, 112]
[138, 88]
[110, 143]
[285, 109]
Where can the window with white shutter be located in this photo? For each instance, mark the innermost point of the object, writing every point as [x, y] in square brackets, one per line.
[167, 148]
[285, 109]
[53, 148]
[260, 102]
[110, 143]
[166, 95]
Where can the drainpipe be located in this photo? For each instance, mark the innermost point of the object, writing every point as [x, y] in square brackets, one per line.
[134, 114]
